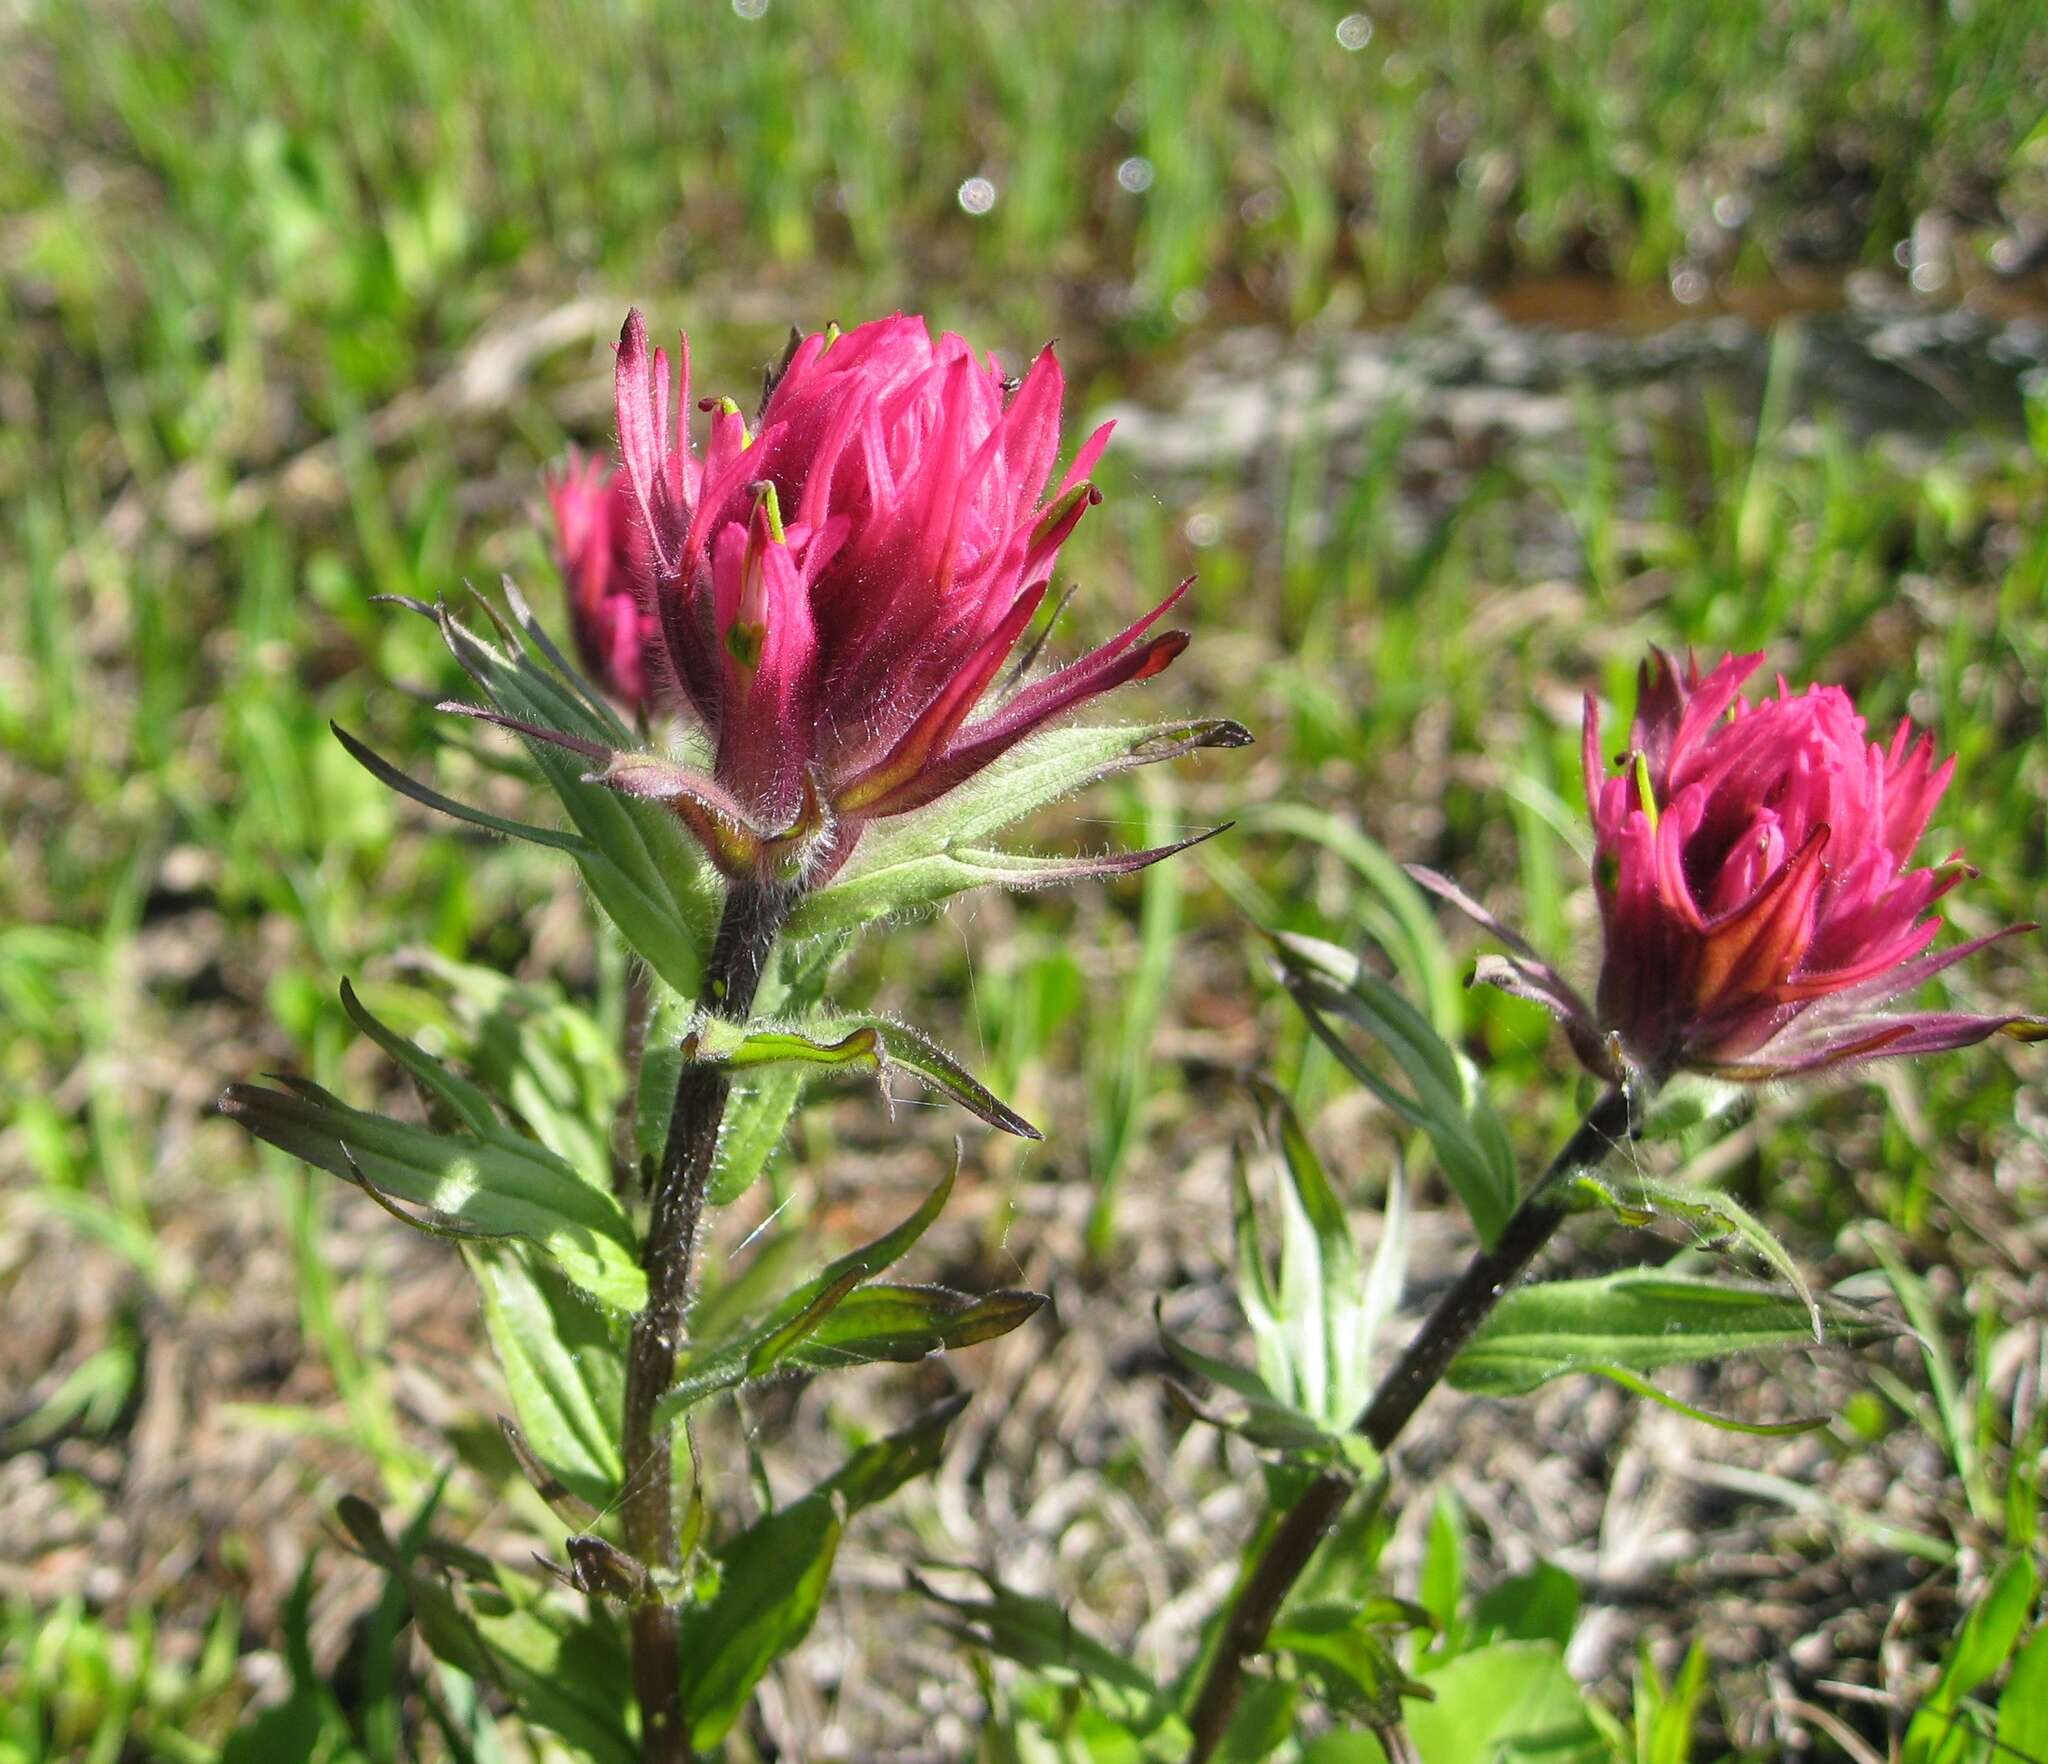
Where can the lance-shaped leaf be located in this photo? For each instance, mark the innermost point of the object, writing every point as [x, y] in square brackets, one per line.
[1349, 1653]
[895, 1323]
[758, 1109]
[773, 1576]
[648, 875]
[557, 1071]
[842, 1042]
[882, 1321]
[492, 1184]
[558, 1666]
[564, 1363]
[1043, 1637]
[913, 861]
[1627, 1325]
[869, 894]
[1445, 1099]
[1645, 1198]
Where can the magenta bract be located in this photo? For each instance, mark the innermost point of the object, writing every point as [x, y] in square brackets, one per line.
[1760, 904]
[602, 552]
[837, 592]
[1754, 866]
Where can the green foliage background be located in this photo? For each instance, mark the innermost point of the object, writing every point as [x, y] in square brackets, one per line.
[296, 300]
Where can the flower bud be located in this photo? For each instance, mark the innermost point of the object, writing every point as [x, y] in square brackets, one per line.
[1754, 867]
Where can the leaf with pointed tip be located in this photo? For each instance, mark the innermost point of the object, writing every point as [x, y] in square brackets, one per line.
[1446, 1099]
[851, 1042]
[725, 1362]
[427, 796]
[906, 1323]
[878, 1470]
[772, 1576]
[911, 861]
[650, 877]
[1320, 1288]
[497, 1183]
[1707, 1210]
[872, 893]
[1638, 1323]
[563, 1361]
[462, 1099]
[856, 1324]
[555, 1069]
[1277, 1427]
[1040, 1636]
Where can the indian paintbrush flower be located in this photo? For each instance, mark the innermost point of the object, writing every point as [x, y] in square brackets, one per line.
[1760, 904]
[602, 550]
[836, 590]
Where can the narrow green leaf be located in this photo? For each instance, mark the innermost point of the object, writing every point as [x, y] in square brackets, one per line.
[1940, 1731]
[772, 1580]
[1447, 1100]
[1717, 1214]
[1245, 1383]
[877, 1471]
[464, 1100]
[778, 1344]
[497, 1184]
[2023, 1708]
[564, 1366]
[1637, 1385]
[1255, 1294]
[651, 879]
[1635, 1323]
[1320, 1288]
[386, 773]
[917, 860]
[852, 1042]
[906, 1323]
[722, 1363]
[757, 1118]
[1411, 935]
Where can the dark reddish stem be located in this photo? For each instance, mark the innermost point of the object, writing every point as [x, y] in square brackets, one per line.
[739, 958]
[1449, 1327]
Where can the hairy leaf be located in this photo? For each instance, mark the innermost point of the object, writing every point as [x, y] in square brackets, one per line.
[851, 1042]
[916, 860]
[773, 1575]
[1636, 1323]
[564, 1368]
[494, 1185]
[1445, 1099]
[651, 879]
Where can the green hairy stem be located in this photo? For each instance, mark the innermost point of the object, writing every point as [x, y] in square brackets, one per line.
[1450, 1326]
[739, 958]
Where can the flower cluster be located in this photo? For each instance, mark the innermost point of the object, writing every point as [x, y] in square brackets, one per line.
[1754, 868]
[603, 554]
[834, 593]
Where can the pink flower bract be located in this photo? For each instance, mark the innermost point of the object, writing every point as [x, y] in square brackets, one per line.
[838, 590]
[1754, 866]
[602, 552]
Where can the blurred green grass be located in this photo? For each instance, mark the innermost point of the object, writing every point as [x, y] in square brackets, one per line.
[248, 254]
